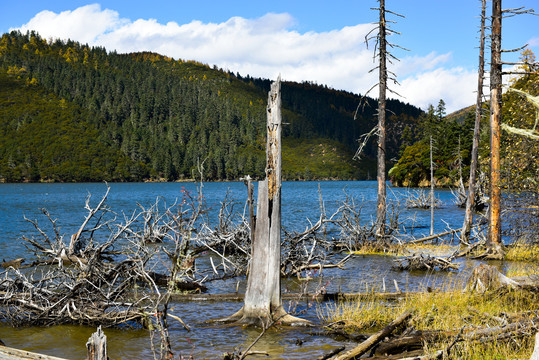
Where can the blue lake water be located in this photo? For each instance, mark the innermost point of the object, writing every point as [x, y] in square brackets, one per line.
[300, 204]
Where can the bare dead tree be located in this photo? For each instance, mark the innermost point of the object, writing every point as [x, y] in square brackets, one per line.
[91, 289]
[384, 56]
[262, 301]
[494, 240]
[431, 190]
[471, 198]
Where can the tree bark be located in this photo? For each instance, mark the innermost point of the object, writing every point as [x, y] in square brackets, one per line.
[470, 200]
[381, 176]
[494, 242]
[7, 353]
[97, 346]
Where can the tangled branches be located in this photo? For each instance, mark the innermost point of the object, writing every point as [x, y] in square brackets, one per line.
[104, 275]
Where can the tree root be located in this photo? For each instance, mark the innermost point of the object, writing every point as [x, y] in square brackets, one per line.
[279, 317]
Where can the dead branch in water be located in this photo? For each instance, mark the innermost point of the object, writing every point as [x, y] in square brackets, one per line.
[421, 199]
[424, 262]
[89, 279]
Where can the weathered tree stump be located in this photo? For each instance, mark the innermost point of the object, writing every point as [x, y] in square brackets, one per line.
[487, 277]
[97, 346]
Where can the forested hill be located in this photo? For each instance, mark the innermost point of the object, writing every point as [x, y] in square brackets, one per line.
[70, 112]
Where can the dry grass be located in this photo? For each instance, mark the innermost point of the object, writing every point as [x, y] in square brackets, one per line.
[445, 310]
[523, 252]
[432, 249]
[375, 248]
[522, 269]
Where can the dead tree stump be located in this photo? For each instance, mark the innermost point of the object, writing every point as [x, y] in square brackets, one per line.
[97, 346]
[488, 277]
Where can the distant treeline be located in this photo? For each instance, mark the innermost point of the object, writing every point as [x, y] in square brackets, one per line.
[70, 112]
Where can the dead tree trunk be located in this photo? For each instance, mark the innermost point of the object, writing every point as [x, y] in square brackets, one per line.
[381, 177]
[470, 200]
[97, 346]
[494, 242]
[432, 201]
[252, 225]
[262, 302]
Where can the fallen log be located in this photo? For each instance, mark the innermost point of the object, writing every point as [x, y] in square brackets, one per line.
[320, 266]
[331, 353]
[7, 353]
[375, 338]
[16, 263]
[408, 355]
[432, 237]
[236, 297]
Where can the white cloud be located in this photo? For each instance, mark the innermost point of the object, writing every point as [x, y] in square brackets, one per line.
[83, 24]
[455, 86]
[263, 47]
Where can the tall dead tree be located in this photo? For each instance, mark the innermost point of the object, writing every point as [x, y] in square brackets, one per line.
[381, 158]
[262, 301]
[383, 56]
[494, 241]
[432, 199]
[470, 199]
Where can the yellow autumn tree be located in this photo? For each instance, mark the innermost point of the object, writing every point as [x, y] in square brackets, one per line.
[520, 144]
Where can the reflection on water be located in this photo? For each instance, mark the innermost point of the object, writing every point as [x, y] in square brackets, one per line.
[65, 202]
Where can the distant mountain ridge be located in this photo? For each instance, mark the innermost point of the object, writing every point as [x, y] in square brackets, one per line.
[144, 116]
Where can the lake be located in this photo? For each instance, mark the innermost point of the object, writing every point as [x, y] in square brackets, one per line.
[300, 206]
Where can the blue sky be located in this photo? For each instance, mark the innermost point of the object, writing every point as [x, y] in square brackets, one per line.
[320, 41]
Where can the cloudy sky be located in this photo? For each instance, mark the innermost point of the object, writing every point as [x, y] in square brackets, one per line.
[313, 40]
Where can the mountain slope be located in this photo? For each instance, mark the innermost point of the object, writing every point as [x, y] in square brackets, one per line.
[158, 118]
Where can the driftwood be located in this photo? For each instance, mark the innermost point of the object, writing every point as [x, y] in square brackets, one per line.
[332, 353]
[16, 263]
[103, 274]
[433, 237]
[7, 353]
[375, 338]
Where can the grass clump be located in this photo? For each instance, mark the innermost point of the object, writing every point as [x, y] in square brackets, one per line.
[374, 248]
[522, 252]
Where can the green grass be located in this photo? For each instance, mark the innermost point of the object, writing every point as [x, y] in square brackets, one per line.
[307, 159]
